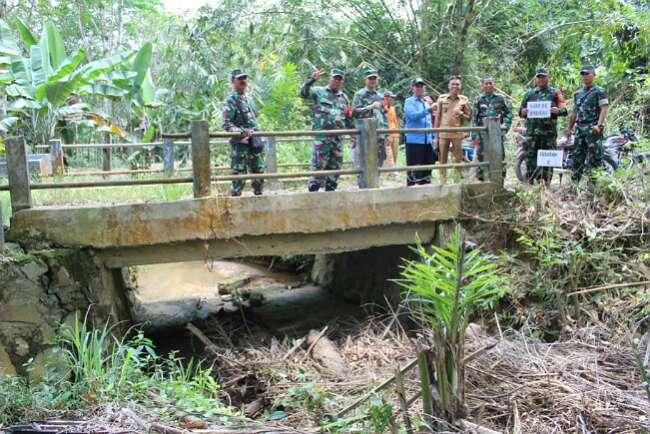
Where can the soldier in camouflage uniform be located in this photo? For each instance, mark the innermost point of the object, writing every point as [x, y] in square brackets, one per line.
[240, 115]
[369, 103]
[590, 105]
[331, 110]
[542, 132]
[489, 104]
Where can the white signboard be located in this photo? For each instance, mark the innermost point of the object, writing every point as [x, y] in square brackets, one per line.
[538, 109]
[549, 158]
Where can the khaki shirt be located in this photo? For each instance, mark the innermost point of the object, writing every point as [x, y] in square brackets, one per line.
[445, 107]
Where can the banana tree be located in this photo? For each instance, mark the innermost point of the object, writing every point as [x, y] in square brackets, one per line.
[39, 86]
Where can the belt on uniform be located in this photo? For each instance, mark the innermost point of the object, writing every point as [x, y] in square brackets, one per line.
[585, 123]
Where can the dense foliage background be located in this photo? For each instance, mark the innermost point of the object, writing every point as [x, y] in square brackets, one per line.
[280, 41]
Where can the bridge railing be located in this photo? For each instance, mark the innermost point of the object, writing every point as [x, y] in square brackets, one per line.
[169, 154]
[367, 167]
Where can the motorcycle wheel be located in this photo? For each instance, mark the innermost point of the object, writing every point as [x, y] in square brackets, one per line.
[609, 164]
[521, 168]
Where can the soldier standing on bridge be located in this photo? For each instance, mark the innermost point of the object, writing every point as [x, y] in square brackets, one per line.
[331, 110]
[240, 115]
[369, 103]
[542, 131]
[590, 106]
[489, 104]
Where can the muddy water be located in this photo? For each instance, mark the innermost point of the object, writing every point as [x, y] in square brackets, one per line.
[169, 295]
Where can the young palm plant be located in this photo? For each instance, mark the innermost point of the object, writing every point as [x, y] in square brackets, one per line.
[444, 287]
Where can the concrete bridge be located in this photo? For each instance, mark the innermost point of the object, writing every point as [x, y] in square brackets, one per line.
[73, 257]
[227, 227]
[213, 226]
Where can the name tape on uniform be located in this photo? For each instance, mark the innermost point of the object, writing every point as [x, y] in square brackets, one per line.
[538, 109]
[549, 158]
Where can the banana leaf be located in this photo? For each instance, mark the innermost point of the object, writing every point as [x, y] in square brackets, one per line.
[7, 123]
[8, 45]
[40, 66]
[26, 34]
[105, 90]
[141, 63]
[22, 72]
[55, 45]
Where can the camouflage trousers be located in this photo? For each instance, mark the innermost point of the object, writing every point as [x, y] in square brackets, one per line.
[537, 142]
[326, 154]
[587, 152]
[244, 158]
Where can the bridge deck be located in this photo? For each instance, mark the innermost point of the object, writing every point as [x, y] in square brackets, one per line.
[218, 227]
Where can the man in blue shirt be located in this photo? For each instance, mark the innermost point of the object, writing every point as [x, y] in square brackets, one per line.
[419, 146]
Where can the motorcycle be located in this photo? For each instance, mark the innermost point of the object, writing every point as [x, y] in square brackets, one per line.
[623, 150]
[566, 145]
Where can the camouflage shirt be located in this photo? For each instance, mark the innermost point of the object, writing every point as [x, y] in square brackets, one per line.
[492, 105]
[587, 103]
[542, 127]
[239, 113]
[330, 110]
[362, 99]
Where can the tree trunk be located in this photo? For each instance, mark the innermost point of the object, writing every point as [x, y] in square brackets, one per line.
[468, 18]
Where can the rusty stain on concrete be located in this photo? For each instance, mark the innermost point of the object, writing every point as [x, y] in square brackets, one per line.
[219, 218]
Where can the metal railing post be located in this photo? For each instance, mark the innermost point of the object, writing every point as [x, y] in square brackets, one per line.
[18, 174]
[56, 154]
[169, 156]
[2, 230]
[107, 161]
[201, 170]
[494, 149]
[368, 154]
[271, 150]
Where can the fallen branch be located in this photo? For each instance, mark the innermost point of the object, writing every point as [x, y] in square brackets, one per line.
[615, 286]
[401, 396]
[477, 428]
[207, 343]
[478, 352]
[314, 342]
[377, 389]
[293, 349]
[164, 429]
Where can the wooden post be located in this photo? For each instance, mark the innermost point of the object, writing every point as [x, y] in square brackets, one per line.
[493, 151]
[107, 164]
[270, 148]
[201, 170]
[368, 154]
[18, 173]
[56, 153]
[2, 231]
[169, 155]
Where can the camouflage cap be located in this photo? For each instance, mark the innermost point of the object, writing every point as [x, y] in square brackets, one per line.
[237, 73]
[369, 72]
[588, 69]
[337, 72]
[417, 80]
[541, 71]
[388, 93]
[487, 78]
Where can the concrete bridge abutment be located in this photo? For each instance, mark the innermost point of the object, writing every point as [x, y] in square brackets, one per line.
[43, 290]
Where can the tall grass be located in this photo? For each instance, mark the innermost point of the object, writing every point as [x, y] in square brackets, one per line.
[100, 367]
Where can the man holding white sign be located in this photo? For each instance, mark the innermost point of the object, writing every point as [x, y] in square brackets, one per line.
[541, 107]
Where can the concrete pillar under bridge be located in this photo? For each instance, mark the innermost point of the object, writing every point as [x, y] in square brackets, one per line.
[367, 276]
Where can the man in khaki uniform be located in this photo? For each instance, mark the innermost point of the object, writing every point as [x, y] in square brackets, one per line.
[452, 110]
